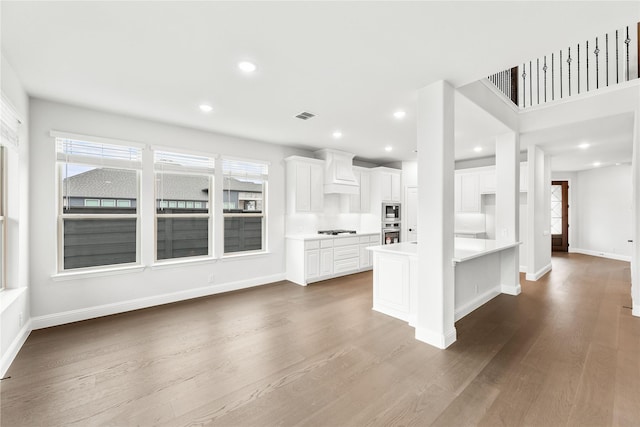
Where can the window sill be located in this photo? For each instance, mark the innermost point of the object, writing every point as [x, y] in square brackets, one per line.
[160, 265]
[244, 255]
[96, 273]
[8, 296]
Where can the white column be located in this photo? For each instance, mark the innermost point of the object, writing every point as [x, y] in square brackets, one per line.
[635, 259]
[538, 214]
[435, 293]
[508, 207]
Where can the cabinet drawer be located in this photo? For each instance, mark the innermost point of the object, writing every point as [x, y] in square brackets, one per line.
[344, 265]
[326, 243]
[312, 244]
[344, 252]
[344, 241]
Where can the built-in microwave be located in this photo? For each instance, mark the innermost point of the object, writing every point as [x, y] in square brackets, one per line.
[391, 212]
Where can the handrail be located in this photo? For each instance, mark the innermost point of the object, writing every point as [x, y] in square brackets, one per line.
[580, 68]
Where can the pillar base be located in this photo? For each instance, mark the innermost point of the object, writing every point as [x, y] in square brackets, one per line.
[436, 339]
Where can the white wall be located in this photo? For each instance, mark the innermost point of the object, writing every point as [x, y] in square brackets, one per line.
[14, 301]
[602, 203]
[60, 301]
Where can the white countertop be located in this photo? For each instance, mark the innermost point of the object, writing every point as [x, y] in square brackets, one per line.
[463, 231]
[464, 250]
[317, 236]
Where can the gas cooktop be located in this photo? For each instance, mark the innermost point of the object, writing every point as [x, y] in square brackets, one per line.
[336, 232]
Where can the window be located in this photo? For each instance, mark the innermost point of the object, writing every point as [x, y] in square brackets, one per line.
[183, 218]
[93, 234]
[244, 197]
[9, 139]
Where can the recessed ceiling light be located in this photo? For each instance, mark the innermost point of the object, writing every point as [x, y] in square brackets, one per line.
[584, 145]
[477, 149]
[399, 114]
[388, 148]
[206, 108]
[337, 134]
[247, 67]
[596, 164]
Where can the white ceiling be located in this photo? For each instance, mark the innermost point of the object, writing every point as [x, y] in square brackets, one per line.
[351, 63]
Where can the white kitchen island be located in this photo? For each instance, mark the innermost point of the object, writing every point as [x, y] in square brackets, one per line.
[483, 270]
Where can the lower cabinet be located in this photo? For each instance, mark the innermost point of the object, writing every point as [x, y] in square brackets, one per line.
[314, 260]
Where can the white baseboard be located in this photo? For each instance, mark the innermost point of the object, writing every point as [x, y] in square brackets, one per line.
[511, 290]
[391, 312]
[523, 269]
[477, 302]
[56, 319]
[601, 254]
[441, 341]
[635, 311]
[538, 274]
[14, 348]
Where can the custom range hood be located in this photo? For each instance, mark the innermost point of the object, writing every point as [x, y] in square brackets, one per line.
[338, 172]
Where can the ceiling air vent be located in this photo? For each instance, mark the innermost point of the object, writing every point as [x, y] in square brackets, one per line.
[305, 116]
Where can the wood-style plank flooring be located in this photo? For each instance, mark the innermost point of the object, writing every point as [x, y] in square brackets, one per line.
[564, 352]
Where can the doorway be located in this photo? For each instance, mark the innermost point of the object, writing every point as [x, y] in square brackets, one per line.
[560, 216]
[411, 210]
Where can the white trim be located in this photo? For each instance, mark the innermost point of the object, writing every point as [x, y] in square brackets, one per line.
[538, 274]
[609, 255]
[183, 261]
[402, 315]
[477, 302]
[511, 290]
[55, 319]
[91, 138]
[9, 356]
[523, 269]
[435, 339]
[186, 151]
[243, 255]
[95, 272]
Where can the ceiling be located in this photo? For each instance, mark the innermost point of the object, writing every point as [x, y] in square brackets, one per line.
[351, 63]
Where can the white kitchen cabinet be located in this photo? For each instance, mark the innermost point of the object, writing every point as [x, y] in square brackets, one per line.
[314, 259]
[467, 192]
[488, 181]
[361, 202]
[312, 263]
[305, 192]
[390, 186]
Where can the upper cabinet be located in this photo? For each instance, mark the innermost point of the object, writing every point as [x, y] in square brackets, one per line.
[390, 189]
[361, 202]
[304, 185]
[467, 192]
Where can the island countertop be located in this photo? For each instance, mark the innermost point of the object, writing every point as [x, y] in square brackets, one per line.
[464, 249]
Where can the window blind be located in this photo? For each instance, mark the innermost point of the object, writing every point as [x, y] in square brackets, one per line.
[244, 169]
[176, 162]
[97, 153]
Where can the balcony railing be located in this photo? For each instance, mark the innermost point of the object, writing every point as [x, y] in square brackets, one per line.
[604, 61]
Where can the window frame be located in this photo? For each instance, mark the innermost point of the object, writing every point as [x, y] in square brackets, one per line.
[61, 216]
[162, 168]
[264, 178]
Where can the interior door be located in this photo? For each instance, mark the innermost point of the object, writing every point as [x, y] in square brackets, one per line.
[412, 214]
[560, 216]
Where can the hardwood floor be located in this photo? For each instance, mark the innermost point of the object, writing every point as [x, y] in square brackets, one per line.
[564, 352]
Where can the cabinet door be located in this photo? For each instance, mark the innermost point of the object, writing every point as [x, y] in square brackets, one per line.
[312, 264]
[385, 186]
[469, 193]
[395, 187]
[303, 184]
[326, 262]
[488, 181]
[315, 189]
[365, 192]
